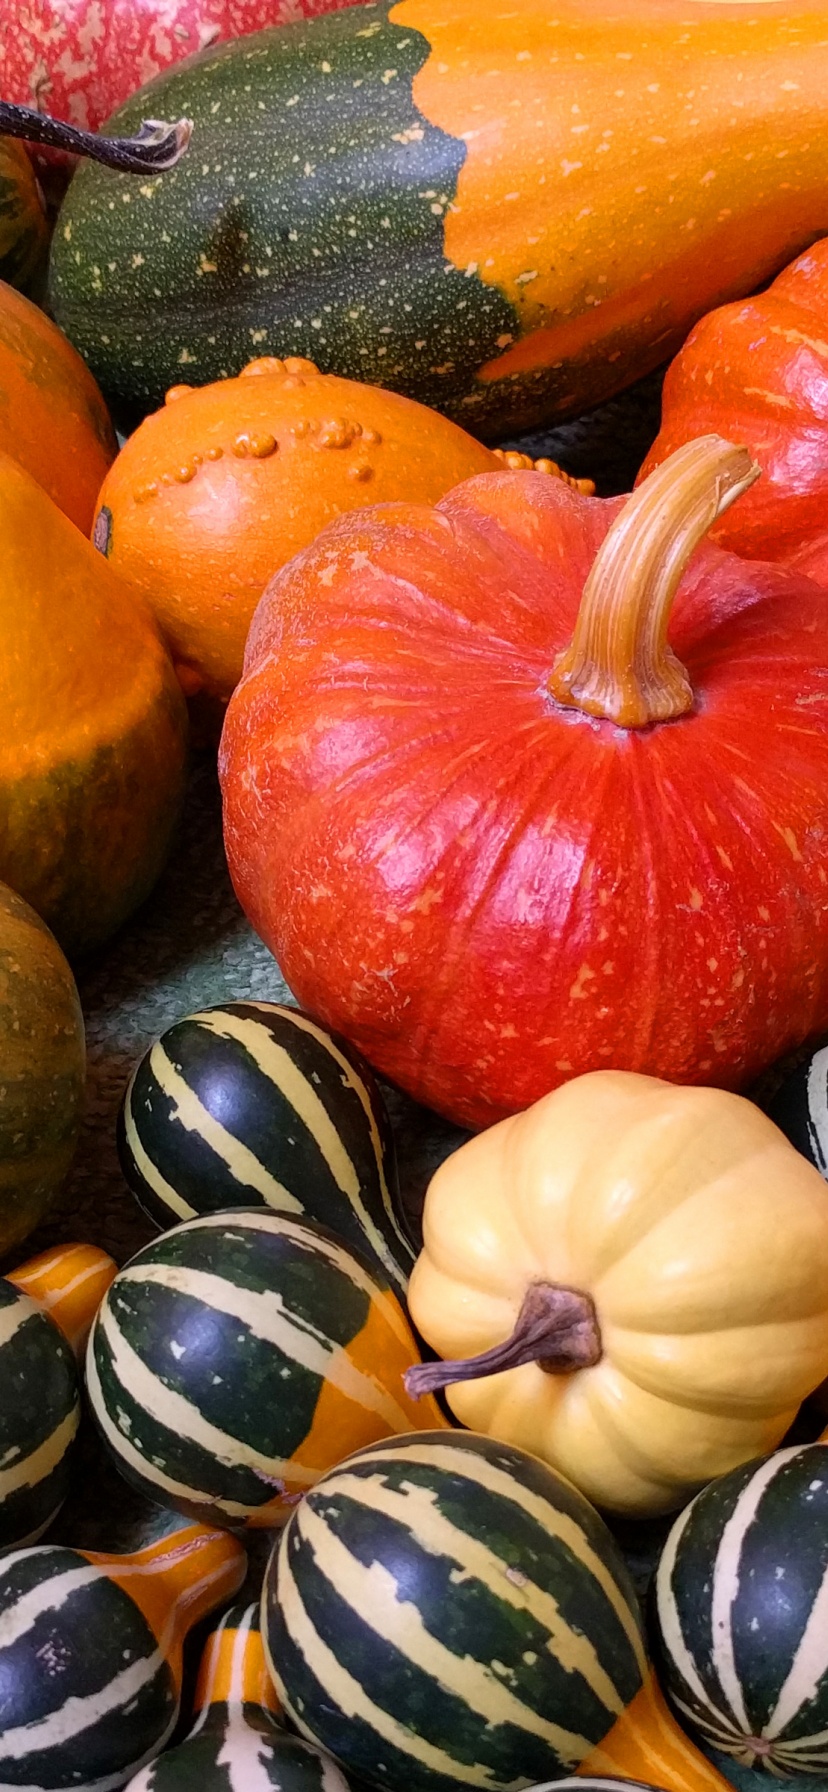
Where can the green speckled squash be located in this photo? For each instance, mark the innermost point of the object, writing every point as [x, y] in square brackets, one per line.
[251, 1101]
[42, 1069]
[24, 232]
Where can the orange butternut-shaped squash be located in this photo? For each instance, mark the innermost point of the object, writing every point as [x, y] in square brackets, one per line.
[93, 745]
[216, 491]
[53, 419]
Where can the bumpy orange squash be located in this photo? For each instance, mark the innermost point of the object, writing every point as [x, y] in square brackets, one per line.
[93, 743]
[214, 493]
[53, 419]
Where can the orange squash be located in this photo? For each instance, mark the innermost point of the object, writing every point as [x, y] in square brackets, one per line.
[53, 419]
[94, 726]
[214, 493]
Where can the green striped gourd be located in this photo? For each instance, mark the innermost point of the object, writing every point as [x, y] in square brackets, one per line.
[238, 1357]
[236, 1743]
[251, 1102]
[445, 1610]
[44, 1306]
[91, 1654]
[741, 1613]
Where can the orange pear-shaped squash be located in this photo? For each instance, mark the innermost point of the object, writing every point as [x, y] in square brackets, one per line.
[94, 726]
[53, 419]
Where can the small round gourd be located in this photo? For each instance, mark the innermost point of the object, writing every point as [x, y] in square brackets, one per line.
[91, 1654]
[800, 1109]
[739, 1613]
[240, 1355]
[236, 1743]
[44, 1306]
[443, 1609]
[252, 1101]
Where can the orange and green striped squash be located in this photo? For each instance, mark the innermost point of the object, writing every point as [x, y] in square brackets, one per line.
[24, 231]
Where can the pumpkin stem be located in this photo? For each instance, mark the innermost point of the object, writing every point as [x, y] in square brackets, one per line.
[156, 147]
[618, 664]
[557, 1328]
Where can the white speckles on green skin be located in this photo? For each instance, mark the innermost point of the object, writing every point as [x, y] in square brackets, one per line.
[307, 235]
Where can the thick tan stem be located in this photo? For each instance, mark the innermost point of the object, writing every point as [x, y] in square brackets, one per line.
[557, 1328]
[618, 664]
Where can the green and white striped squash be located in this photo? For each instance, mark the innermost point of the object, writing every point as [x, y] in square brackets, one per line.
[253, 1102]
[444, 1609]
[39, 1417]
[741, 1613]
[240, 1355]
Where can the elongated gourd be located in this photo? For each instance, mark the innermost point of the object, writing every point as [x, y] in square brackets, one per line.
[111, 1628]
[507, 223]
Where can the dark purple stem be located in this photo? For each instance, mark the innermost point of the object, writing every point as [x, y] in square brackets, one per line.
[557, 1328]
[156, 147]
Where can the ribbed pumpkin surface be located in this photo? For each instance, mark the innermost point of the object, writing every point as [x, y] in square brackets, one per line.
[39, 1417]
[445, 1609]
[251, 1101]
[740, 1607]
[238, 1357]
[87, 1694]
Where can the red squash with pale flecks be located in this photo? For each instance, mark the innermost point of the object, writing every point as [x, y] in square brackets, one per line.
[757, 372]
[496, 861]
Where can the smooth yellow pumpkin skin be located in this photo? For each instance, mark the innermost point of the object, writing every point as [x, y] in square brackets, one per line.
[701, 1236]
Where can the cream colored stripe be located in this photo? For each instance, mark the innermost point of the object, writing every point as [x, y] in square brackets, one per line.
[380, 1601]
[158, 1183]
[245, 1754]
[726, 1581]
[150, 1470]
[167, 1407]
[277, 1066]
[670, 1621]
[267, 1318]
[482, 1473]
[211, 1658]
[28, 1470]
[11, 1318]
[419, 1512]
[56, 1295]
[112, 1782]
[279, 1225]
[356, 1083]
[235, 1693]
[807, 1669]
[242, 1163]
[49, 1596]
[77, 1714]
[352, 1699]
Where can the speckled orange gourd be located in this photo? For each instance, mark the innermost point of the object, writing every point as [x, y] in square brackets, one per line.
[53, 419]
[93, 746]
[214, 493]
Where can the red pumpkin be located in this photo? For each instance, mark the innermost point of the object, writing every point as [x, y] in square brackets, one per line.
[492, 881]
[757, 372]
[79, 59]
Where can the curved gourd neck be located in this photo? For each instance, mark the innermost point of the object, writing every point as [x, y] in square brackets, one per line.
[234, 1686]
[619, 665]
[69, 1283]
[177, 1581]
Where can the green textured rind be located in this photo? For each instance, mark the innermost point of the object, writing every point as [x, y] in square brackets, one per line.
[252, 1101]
[738, 1607]
[67, 1632]
[39, 1417]
[42, 1069]
[481, 1543]
[103, 826]
[306, 219]
[239, 1755]
[165, 1360]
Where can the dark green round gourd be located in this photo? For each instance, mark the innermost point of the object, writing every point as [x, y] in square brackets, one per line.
[252, 1101]
[740, 1613]
[42, 1068]
[39, 1417]
[239, 1355]
[445, 1608]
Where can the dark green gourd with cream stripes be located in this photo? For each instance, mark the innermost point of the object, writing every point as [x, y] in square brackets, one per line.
[252, 1101]
[39, 1417]
[446, 1610]
[241, 1354]
[741, 1613]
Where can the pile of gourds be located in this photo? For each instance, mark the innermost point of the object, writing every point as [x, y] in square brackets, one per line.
[526, 791]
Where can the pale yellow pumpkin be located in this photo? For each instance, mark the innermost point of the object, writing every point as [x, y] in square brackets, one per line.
[666, 1250]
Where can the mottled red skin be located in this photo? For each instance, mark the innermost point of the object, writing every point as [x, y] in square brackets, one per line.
[757, 372]
[489, 893]
[79, 59]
